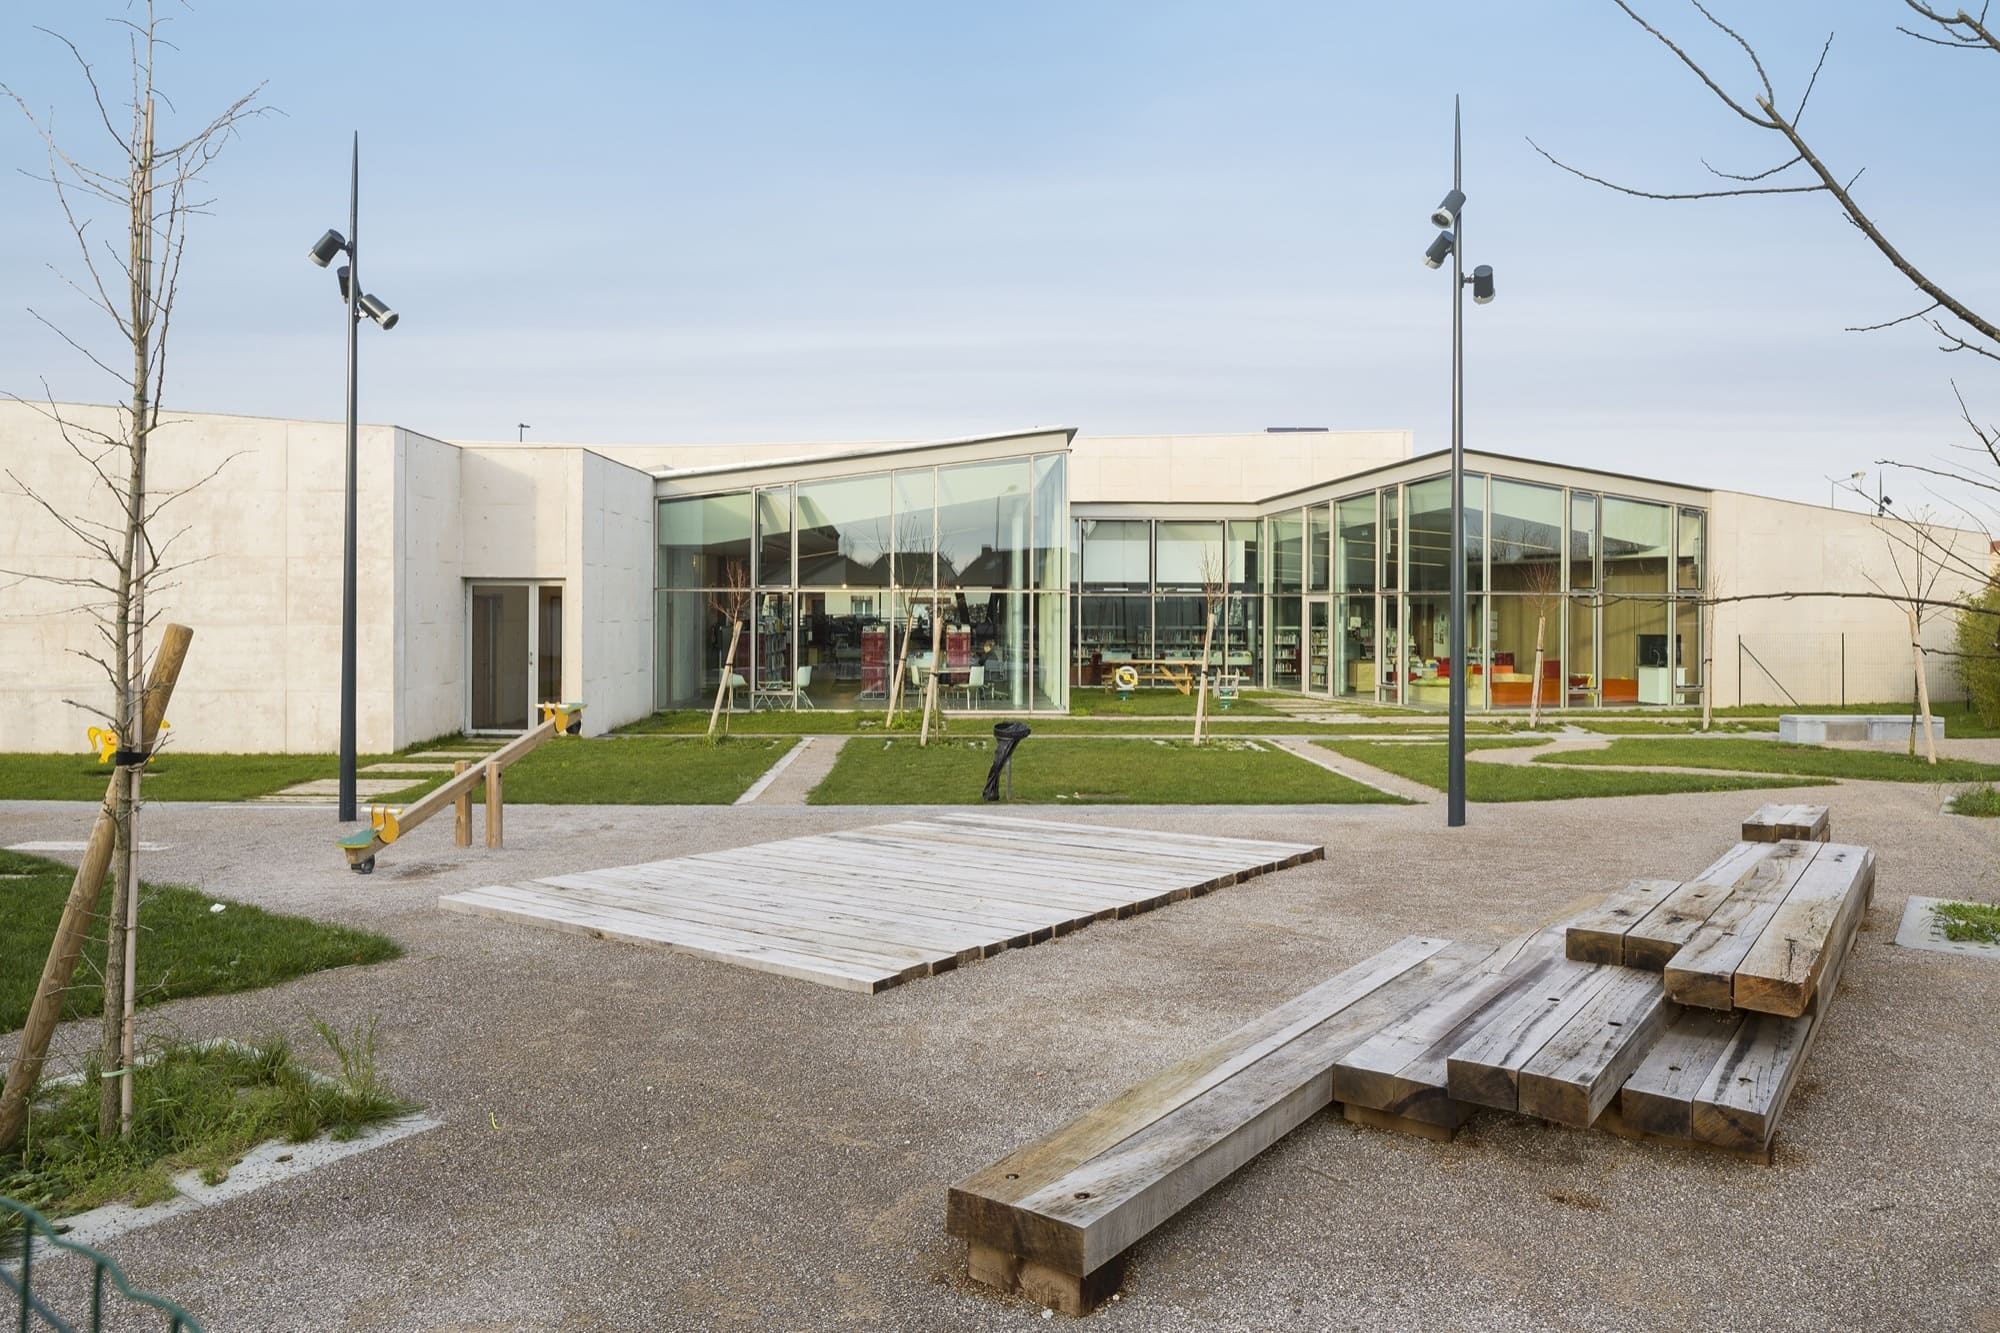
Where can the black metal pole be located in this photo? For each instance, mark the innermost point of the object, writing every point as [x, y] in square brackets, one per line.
[348, 810]
[1461, 656]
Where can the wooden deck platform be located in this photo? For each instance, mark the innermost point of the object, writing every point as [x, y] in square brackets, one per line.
[871, 907]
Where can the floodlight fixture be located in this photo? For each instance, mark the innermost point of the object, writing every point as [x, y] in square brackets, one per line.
[343, 273]
[1440, 250]
[1445, 215]
[326, 248]
[378, 310]
[1482, 284]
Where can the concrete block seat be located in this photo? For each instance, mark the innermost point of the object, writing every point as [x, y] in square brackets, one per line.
[1819, 728]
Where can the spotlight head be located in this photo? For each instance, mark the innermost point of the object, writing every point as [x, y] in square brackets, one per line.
[1440, 250]
[341, 273]
[1482, 284]
[1446, 213]
[326, 248]
[375, 309]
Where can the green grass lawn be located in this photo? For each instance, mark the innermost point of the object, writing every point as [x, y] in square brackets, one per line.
[1960, 721]
[641, 770]
[186, 948]
[894, 771]
[1425, 762]
[1752, 756]
[170, 777]
[1159, 701]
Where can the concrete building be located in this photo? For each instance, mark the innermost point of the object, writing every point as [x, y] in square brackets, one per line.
[494, 575]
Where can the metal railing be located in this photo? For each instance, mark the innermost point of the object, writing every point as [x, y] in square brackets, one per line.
[28, 1307]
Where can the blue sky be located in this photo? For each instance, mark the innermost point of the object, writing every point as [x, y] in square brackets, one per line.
[658, 223]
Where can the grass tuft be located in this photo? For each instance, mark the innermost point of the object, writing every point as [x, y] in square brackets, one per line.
[1979, 802]
[1969, 923]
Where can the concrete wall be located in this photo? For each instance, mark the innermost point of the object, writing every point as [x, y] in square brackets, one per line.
[1759, 545]
[1221, 469]
[263, 595]
[614, 563]
[430, 597]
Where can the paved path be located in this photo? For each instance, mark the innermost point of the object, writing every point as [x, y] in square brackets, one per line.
[803, 767]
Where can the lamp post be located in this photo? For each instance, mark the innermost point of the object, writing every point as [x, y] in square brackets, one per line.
[358, 304]
[1449, 215]
[1833, 487]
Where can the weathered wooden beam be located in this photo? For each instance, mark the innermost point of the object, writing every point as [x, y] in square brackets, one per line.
[1702, 972]
[1780, 974]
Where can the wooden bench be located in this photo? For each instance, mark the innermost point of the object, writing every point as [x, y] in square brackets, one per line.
[1055, 1218]
[1776, 823]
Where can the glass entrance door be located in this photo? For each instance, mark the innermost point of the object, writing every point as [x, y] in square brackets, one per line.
[514, 653]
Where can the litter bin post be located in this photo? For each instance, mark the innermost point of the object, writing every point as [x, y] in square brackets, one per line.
[1007, 736]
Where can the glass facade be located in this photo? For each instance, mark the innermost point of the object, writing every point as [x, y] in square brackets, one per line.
[1575, 597]
[807, 593]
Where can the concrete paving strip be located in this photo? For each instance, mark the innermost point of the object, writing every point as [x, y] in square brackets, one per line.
[407, 768]
[793, 777]
[320, 788]
[1386, 783]
[78, 846]
[266, 1164]
[1920, 930]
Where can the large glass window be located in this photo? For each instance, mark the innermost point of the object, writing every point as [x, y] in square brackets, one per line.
[691, 638]
[1186, 556]
[1240, 640]
[1690, 559]
[774, 537]
[1635, 657]
[843, 644]
[1519, 624]
[1580, 649]
[1430, 535]
[844, 532]
[1638, 543]
[1178, 624]
[1288, 552]
[1392, 541]
[1354, 545]
[1051, 648]
[772, 650]
[1246, 569]
[704, 539]
[1051, 522]
[1318, 554]
[1526, 538]
[983, 524]
[986, 652]
[914, 489]
[1111, 631]
[1432, 660]
[1582, 541]
[1354, 644]
[1116, 555]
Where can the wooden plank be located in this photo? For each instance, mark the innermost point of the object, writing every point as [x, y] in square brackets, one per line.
[1124, 864]
[1485, 1069]
[1402, 1070]
[804, 967]
[943, 856]
[1578, 1071]
[1598, 935]
[1781, 971]
[1745, 1093]
[1145, 837]
[1702, 971]
[1659, 1096]
[1044, 891]
[1079, 1198]
[1655, 938]
[1130, 852]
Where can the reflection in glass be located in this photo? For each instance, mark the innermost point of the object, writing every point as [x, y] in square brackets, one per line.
[1354, 643]
[1115, 555]
[1689, 579]
[1051, 521]
[1638, 542]
[1582, 540]
[845, 532]
[1245, 541]
[1635, 660]
[985, 652]
[691, 638]
[1392, 539]
[1288, 551]
[913, 535]
[1109, 632]
[983, 524]
[702, 538]
[771, 648]
[774, 537]
[1051, 681]
[843, 643]
[1186, 555]
[1354, 545]
[1242, 642]
[1318, 556]
[1580, 652]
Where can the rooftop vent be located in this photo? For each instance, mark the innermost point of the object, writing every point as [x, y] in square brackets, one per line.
[1292, 430]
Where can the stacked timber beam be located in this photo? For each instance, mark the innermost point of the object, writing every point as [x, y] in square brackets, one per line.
[1679, 1010]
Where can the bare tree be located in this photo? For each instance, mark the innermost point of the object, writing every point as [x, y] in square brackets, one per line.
[149, 193]
[1912, 541]
[732, 603]
[1214, 590]
[1542, 581]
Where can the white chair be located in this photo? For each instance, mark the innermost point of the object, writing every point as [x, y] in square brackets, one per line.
[799, 697]
[975, 684]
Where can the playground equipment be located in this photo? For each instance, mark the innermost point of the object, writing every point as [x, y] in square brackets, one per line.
[105, 741]
[387, 823]
[1228, 689]
[1127, 680]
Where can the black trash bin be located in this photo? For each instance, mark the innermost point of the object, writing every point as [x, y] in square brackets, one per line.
[1006, 736]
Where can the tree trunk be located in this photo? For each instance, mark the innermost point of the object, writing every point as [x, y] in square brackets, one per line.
[114, 1093]
[1707, 665]
[728, 669]
[1201, 698]
[902, 666]
[931, 681]
[1923, 686]
[26, 1070]
[1535, 684]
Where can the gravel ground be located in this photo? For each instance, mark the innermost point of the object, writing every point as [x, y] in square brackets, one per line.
[636, 1139]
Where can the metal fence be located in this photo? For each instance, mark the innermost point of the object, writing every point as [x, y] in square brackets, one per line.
[1833, 668]
[23, 1225]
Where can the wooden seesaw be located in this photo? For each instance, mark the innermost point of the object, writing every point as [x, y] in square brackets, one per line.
[387, 823]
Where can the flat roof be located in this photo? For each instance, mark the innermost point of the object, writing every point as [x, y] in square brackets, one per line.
[860, 451]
